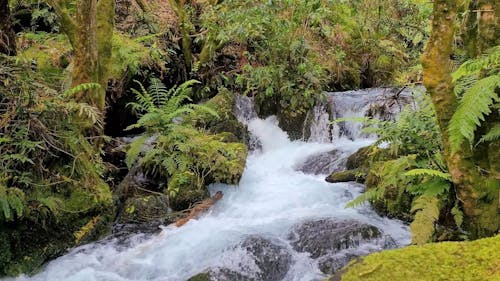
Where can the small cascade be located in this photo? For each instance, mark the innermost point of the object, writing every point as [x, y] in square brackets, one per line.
[379, 103]
[320, 127]
[244, 109]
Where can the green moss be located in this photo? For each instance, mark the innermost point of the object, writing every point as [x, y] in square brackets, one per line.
[465, 261]
[48, 51]
[346, 176]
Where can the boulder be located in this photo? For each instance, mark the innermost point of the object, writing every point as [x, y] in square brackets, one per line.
[269, 261]
[322, 164]
[327, 239]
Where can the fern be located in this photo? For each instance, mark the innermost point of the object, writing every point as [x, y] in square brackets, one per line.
[474, 106]
[426, 210]
[492, 135]
[369, 195]
[428, 172]
[80, 88]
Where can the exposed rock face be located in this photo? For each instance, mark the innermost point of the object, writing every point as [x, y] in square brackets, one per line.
[269, 261]
[325, 240]
[322, 164]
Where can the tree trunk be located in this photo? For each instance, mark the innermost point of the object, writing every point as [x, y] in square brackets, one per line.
[482, 27]
[7, 34]
[471, 186]
[85, 59]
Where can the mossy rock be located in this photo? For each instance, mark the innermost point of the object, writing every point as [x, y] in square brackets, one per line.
[146, 208]
[451, 261]
[201, 277]
[292, 123]
[225, 122]
[360, 158]
[394, 204]
[186, 197]
[346, 176]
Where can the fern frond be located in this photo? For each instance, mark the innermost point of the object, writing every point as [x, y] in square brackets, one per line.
[134, 150]
[492, 135]
[369, 195]
[428, 172]
[426, 210]
[473, 108]
[80, 88]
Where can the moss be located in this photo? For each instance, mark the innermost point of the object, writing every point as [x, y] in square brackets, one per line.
[346, 176]
[48, 51]
[226, 122]
[477, 260]
[201, 277]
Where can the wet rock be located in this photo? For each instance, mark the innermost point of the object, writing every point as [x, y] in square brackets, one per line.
[268, 261]
[321, 237]
[144, 208]
[346, 176]
[221, 274]
[359, 158]
[187, 197]
[324, 163]
[335, 242]
[333, 264]
[272, 260]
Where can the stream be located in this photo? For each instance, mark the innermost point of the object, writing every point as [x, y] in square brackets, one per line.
[279, 223]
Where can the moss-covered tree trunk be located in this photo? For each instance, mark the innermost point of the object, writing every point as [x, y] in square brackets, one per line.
[90, 33]
[7, 34]
[482, 26]
[481, 214]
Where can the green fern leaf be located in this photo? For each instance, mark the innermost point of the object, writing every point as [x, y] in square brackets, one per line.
[426, 210]
[428, 172]
[80, 88]
[458, 215]
[473, 108]
[492, 135]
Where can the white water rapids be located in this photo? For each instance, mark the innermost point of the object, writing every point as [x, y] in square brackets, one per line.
[271, 198]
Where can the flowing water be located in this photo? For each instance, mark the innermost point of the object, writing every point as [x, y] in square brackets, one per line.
[271, 198]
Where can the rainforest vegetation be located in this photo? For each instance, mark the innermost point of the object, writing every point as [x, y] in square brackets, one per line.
[95, 93]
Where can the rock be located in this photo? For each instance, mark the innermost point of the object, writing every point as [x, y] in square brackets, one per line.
[144, 208]
[326, 240]
[268, 261]
[186, 197]
[359, 158]
[346, 176]
[323, 163]
[272, 260]
[321, 237]
[221, 274]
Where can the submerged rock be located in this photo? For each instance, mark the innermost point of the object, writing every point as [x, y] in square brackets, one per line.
[266, 261]
[326, 240]
[324, 163]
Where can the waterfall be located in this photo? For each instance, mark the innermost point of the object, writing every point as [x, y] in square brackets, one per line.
[380, 103]
[277, 224]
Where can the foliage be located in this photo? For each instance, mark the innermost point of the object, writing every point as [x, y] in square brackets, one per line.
[42, 149]
[129, 55]
[426, 210]
[188, 157]
[287, 52]
[414, 167]
[478, 81]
